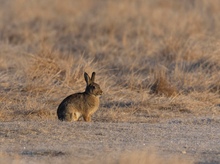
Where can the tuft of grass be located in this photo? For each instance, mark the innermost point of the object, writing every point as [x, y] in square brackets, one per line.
[161, 86]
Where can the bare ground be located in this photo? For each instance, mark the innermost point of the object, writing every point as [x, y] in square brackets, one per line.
[192, 139]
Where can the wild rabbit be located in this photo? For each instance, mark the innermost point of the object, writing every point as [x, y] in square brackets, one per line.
[82, 104]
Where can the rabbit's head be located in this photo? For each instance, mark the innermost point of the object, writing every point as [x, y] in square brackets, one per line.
[92, 87]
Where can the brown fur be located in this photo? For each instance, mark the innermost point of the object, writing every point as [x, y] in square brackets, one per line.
[84, 104]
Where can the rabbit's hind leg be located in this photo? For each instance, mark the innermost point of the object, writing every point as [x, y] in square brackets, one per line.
[76, 116]
[68, 117]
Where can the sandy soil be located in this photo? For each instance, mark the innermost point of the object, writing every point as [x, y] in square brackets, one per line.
[196, 139]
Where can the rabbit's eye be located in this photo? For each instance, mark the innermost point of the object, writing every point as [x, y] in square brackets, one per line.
[93, 87]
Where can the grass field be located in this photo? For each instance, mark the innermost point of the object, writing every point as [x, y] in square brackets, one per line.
[155, 59]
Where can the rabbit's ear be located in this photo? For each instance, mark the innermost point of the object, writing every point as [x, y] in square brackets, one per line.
[93, 77]
[87, 78]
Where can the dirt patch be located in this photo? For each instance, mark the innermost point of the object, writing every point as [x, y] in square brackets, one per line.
[192, 139]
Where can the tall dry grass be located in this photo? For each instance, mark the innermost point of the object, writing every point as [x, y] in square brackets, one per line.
[154, 59]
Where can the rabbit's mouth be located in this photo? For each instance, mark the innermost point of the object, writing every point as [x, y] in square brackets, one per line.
[99, 93]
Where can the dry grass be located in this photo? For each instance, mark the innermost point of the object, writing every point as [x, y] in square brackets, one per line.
[154, 59]
[167, 48]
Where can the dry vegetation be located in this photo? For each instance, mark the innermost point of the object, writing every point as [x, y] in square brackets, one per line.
[154, 59]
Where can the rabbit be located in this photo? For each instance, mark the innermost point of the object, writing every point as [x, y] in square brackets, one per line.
[84, 104]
